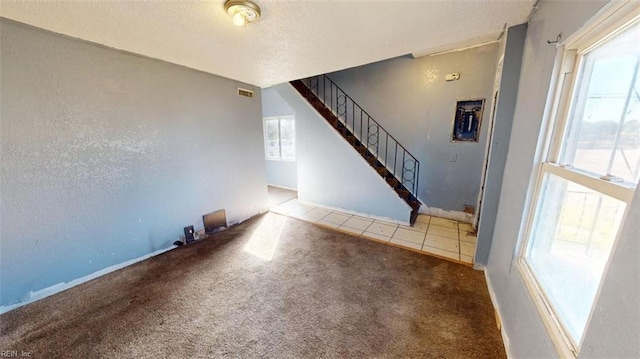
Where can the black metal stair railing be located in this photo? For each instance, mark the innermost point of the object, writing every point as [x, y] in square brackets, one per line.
[368, 133]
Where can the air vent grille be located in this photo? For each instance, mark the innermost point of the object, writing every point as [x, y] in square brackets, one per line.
[245, 93]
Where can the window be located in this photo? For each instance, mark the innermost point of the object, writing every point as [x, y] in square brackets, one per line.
[280, 138]
[589, 174]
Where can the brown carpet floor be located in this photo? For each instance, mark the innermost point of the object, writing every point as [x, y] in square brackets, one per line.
[319, 293]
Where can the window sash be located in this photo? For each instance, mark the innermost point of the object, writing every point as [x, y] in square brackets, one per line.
[613, 19]
[571, 144]
[565, 345]
[287, 139]
[286, 155]
[269, 122]
[621, 191]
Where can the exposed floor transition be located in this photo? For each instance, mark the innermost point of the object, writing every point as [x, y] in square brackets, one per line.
[278, 195]
[442, 237]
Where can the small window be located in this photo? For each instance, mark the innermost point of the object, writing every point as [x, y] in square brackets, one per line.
[280, 138]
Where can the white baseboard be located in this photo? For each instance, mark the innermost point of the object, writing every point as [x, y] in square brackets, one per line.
[283, 187]
[443, 213]
[57, 288]
[496, 307]
[366, 215]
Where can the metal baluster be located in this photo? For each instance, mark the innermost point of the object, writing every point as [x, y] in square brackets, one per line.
[386, 145]
[338, 94]
[361, 126]
[324, 89]
[368, 118]
[377, 141]
[333, 104]
[395, 159]
[353, 119]
[415, 190]
[336, 103]
[403, 153]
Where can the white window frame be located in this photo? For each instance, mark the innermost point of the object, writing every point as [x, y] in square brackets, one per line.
[266, 141]
[610, 21]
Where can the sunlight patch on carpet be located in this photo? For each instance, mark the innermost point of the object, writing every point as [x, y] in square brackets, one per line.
[265, 238]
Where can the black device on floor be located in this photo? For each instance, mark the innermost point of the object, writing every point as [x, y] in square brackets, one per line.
[189, 234]
[214, 220]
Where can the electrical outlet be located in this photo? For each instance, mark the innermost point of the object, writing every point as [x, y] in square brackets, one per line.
[453, 158]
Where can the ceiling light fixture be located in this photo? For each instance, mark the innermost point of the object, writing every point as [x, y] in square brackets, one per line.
[242, 11]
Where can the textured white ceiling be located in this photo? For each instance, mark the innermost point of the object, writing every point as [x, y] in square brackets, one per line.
[292, 39]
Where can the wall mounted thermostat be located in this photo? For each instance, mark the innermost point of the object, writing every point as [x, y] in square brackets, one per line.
[452, 76]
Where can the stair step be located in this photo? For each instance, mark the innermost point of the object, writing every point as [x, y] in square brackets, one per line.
[383, 171]
[403, 193]
[393, 182]
[352, 139]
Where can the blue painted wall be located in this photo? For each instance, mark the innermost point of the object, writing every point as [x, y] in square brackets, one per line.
[331, 173]
[411, 99]
[106, 156]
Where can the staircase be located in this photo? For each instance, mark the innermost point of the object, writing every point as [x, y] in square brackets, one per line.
[397, 166]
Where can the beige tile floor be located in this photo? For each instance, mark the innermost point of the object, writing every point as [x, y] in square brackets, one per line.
[432, 235]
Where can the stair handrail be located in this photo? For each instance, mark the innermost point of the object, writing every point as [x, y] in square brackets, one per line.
[408, 175]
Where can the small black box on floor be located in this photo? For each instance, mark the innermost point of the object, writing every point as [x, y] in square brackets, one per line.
[214, 220]
[189, 234]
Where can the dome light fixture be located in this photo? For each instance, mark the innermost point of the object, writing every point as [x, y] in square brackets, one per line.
[242, 11]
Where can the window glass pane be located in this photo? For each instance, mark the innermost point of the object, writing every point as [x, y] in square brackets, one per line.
[288, 138]
[604, 125]
[571, 239]
[272, 135]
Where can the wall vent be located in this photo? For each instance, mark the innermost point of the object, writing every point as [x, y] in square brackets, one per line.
[245, 93]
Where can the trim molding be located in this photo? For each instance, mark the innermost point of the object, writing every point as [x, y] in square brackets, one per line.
[282, 187]
[496, 308]
[60, 287]
[443, 213]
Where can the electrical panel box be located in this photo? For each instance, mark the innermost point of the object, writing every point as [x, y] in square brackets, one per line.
[467, 119]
